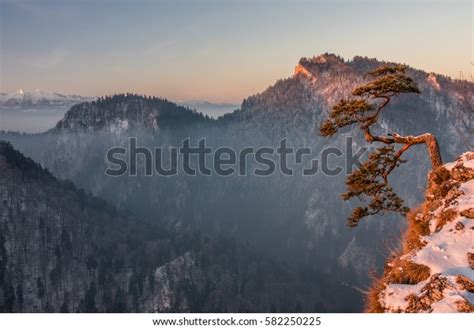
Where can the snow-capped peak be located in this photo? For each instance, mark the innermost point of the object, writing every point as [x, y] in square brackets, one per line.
[38, 96]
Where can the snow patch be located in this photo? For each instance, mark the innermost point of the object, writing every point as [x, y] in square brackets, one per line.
[445, 253]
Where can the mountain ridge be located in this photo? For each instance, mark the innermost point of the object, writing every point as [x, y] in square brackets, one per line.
[122, 112]
[319, 81]
[64, 250]
[39, 97]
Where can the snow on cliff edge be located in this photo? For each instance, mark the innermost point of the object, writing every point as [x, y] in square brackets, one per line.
[436, 273]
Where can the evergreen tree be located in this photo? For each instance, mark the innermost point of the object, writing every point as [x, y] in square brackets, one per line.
[364, 108]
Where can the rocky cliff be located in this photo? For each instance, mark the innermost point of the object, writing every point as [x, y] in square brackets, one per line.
[434, 272]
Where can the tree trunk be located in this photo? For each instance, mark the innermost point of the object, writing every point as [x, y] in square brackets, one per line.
[433, 150]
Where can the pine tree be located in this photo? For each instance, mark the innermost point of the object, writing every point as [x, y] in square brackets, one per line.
[370, 181]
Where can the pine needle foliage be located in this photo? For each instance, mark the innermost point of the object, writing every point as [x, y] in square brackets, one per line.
[370, 183]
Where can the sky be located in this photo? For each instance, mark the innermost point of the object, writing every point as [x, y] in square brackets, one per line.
[219, 50]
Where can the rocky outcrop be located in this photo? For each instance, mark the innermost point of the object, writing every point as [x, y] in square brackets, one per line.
[434, 271]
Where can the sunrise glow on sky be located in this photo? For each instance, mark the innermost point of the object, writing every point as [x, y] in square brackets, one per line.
[221, 51]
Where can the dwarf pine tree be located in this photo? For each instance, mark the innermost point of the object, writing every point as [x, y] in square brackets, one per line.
[370, 181]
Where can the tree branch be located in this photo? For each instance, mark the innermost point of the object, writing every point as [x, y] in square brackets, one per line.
[427, 138]
[370, 120]
[397, 158]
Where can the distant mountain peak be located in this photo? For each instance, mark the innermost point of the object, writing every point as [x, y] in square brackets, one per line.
[327, 65]
[321, 81]
[326, 58]
[39, 97]
[123, 112]
[308, 66]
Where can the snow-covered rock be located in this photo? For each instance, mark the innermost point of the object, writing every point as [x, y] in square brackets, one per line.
[436, 273]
